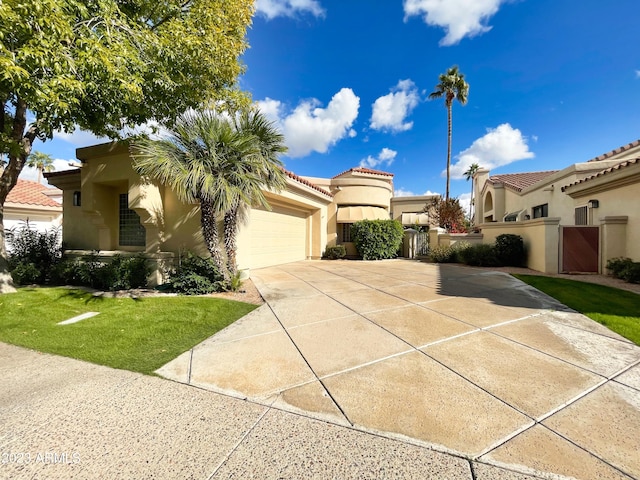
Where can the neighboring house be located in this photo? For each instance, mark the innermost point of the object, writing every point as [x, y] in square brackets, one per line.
[108, 207]
[35, 203]
[598, 193]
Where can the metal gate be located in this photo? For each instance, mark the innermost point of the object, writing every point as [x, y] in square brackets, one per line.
[579, 249]
[422, 243]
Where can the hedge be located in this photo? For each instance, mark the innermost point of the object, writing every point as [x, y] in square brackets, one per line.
[377, 239]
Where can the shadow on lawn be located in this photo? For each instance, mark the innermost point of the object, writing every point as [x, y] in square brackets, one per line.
[91, 296]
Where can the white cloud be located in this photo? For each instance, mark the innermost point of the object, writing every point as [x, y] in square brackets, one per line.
[270, 108]
[637, 73]
[465, 202]
[459, 18]
[500, 146]
[311, 128]
[385, 157]
[401, 192]
[391, 110]
[288, 8]
[80, 138]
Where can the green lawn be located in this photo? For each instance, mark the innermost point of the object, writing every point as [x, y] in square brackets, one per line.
[133, 334]
[616, 309]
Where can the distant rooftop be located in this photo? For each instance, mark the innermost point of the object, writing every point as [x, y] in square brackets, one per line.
[365, 170]
[520, 181]
[616, 151]
[27, 192]
[306, 182]
[604, 172]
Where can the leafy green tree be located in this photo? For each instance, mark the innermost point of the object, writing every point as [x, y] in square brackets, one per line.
[452, 87]
[468, 175]
[109, 64]
[43, 162]
[223, 164]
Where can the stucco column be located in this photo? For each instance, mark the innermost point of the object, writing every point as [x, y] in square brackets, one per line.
[613, 239]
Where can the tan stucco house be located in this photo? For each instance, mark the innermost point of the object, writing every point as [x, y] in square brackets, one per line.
[542, 206]
[109, 208]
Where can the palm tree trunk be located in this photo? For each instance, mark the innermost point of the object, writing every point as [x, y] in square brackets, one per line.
[230, 238]
[210, 235]
[449, 112]
[6, 282]
[471, 204]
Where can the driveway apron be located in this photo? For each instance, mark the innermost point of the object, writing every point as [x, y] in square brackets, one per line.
[463, 361]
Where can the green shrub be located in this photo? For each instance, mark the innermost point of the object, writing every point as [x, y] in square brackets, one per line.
[196, 276]
[479, 255]
[26, 273]
[618, 265]
[631, 274]
[33, 253]
[67, 272]
[120, 273]
[625, 269]
[124, 273]
[335, 252]
[442, 254]
[190, 283]
[509, 250]
[377, 239]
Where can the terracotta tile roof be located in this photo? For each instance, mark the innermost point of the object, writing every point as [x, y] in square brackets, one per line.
[27, 192]
[606, 171]
[520, 181]
[306, 182]
[604, 156]
[366, 170]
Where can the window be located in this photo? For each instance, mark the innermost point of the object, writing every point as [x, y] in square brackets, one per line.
[344, 232]
[132, 233]
[77, 199]
[582, 216]
[541, 211]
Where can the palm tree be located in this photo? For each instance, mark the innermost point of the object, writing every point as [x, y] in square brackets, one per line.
[43, 162]
[468, 175]
[207, 159]
[452, 86]
[255, 173]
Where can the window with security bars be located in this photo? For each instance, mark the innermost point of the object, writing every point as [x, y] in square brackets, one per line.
[345, 232]
[131, 233]
[582, 215]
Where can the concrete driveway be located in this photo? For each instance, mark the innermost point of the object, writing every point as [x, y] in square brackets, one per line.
[463, 361]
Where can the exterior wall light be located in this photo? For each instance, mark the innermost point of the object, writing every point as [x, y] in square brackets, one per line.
[593, 203]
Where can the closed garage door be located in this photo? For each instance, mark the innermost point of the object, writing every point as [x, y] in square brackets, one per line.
[278, 236]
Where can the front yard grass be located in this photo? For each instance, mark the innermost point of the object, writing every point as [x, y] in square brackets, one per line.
[616, 309]
[132, 334]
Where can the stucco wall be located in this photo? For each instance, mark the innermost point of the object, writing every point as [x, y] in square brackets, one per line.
[411, 204]
[540, 237]
[365, 192]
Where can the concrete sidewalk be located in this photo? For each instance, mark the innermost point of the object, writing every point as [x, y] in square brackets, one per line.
[461, 361]
[389, 369]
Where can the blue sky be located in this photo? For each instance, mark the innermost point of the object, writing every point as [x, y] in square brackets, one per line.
[552, 82]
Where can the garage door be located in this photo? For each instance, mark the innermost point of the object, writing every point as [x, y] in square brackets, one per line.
[278, 236]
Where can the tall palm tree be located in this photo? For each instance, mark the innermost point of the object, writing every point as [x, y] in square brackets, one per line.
[43, 162]
[206, 159]
[452, 86]
[468, 175]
